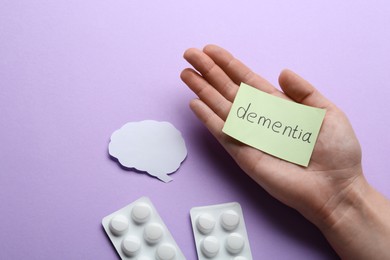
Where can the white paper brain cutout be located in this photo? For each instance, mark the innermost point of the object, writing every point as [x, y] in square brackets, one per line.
[150, 146]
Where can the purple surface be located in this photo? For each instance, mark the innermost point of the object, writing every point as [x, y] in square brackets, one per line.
[72, 72]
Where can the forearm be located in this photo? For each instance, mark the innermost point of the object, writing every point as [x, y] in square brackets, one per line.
[359, 228]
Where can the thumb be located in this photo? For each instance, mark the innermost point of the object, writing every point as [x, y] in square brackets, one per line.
[301, 91]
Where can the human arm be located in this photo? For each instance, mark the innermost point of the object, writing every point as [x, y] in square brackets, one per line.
[332, 191]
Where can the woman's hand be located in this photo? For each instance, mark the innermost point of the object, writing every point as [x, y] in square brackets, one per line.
[330, 188]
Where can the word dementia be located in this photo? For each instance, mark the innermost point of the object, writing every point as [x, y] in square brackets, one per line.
[276, 126]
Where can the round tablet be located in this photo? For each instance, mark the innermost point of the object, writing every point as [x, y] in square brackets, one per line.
[205, 223]
[119, 224]
[165, 252]
[131, 245]
[234, 243]
[153, 233]
[209, 246]
[141, 213]
[230, 220]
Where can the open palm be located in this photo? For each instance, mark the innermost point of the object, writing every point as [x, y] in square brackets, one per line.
[335, 165]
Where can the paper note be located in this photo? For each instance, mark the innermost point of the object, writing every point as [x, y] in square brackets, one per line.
[276, 126]
[149, 146]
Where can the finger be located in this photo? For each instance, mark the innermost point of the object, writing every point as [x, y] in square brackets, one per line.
[237, 71]
[212, 73]
[209, 95]
[207, 116]
[301, 91]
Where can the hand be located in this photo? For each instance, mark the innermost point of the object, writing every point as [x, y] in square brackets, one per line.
[325, 190]
[335, 165]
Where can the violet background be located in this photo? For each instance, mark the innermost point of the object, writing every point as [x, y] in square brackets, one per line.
[72, 72]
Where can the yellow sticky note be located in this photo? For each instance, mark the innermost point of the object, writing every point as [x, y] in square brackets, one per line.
[276, 126]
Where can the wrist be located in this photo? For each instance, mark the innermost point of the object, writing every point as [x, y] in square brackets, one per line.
[345, 205]
[358, 227]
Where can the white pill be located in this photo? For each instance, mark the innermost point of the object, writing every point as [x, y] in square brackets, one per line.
[239, 258]
[234, 243]
[205, 223]
[230, 220]
[119, 224]
[210, 246]
[153, 233]
[165, 252]
[131, 245]
[141, 213]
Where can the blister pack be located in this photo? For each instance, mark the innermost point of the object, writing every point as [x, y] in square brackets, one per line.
[138, 232]
[220, 232]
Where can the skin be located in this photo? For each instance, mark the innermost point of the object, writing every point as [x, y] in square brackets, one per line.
[331, 192]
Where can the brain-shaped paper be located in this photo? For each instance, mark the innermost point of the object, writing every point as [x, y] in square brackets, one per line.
[149, 146]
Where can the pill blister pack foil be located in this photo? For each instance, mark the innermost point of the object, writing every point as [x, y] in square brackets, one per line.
[220, 232]
[138, 232]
